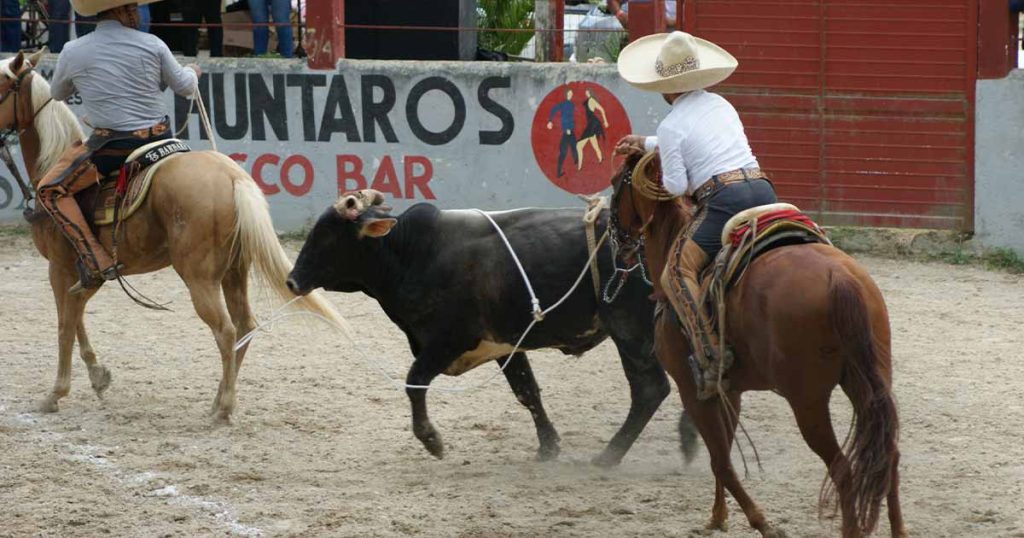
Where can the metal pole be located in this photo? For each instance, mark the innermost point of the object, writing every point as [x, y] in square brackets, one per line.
[299, 51]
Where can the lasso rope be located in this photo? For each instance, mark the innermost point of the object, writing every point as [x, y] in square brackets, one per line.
[536, 313]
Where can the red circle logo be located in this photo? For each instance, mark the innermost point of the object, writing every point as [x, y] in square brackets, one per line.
[574, 133]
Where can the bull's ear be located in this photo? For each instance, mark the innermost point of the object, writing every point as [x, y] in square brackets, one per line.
[374, 227]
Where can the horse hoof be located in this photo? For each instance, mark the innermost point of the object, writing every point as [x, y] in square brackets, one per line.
[774, 533]
[548, 453]
[714, 525]
[48, 405]
[100, 378]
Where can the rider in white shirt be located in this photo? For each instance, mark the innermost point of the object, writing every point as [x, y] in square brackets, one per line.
[704, 155]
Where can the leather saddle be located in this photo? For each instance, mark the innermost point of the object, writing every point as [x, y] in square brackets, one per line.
[750, 234]
[132, 182]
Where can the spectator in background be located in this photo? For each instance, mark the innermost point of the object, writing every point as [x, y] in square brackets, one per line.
[280, 10]
[59, 32]
[620, 8]
[10, 31]
[144, 19]
[195, 11]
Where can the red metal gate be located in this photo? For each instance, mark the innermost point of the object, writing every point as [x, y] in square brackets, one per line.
[861, 111]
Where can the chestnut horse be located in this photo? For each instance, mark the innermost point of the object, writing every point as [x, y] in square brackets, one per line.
[803, 319]
[204, 215]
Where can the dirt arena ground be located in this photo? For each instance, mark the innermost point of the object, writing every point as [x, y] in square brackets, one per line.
[321, 445]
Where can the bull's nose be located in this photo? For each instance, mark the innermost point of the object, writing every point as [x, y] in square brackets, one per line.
[293, 286]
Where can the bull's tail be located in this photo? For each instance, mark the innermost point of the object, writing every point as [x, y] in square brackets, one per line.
[871, 450]
[257, 246]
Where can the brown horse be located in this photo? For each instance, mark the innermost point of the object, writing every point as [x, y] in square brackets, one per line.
[204, 216]
[803, 319]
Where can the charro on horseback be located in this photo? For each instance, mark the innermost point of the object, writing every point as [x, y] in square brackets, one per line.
[704, 155]
[121, 74]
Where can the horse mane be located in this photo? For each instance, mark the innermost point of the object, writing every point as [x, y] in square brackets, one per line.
[57, 126]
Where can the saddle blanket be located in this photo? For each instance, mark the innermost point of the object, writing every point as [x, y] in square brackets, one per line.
[134, 180]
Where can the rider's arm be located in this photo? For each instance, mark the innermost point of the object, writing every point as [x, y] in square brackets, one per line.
[181, 80]
[670, 144]
[62, 87]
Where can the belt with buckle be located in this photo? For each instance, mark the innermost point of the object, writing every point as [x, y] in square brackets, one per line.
[149, 132]
[718, 181]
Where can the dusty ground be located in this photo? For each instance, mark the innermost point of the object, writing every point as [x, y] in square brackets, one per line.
[321, 444]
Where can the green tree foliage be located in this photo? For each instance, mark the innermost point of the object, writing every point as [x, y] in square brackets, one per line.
[504, 14]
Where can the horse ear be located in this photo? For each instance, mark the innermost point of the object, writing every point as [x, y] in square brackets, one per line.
[374, 227]
[17, 62]
[37, 55]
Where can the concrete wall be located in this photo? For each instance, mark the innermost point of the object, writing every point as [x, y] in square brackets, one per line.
[454, 134]
[999, 162]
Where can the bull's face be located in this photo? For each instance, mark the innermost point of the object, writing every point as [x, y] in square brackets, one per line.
[336, 253]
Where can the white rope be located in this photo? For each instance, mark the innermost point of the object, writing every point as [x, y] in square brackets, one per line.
[197, 98]
[538, 315]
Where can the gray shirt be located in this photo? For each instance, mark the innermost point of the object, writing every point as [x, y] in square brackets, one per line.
[121, 75]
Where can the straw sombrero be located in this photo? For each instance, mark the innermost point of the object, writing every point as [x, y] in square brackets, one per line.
[674, 63]
[88, 8]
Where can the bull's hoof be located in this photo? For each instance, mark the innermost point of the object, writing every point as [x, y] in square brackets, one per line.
[100, 378]
[432, 442]
[548, 452]
[49, 405]
[607, 459]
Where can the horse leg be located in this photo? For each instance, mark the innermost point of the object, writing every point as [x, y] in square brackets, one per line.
[893, 501]
[815, 422]
[520, 377]
[648, 387]
[209, 305]
[99, 375]
[672, 350]
[424, 369]
[236, 285]
[70, 309]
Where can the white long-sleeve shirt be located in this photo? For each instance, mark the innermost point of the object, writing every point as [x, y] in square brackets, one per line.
[702, 136]
[121, 74]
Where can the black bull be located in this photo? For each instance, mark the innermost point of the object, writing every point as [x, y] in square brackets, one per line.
[447, 280]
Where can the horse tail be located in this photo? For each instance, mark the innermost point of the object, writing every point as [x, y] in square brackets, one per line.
[256, 246]
[871, 449]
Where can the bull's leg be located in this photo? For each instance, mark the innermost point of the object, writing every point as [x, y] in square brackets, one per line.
[648, 386]
[524, 385]
[99, 375]
[424, 370]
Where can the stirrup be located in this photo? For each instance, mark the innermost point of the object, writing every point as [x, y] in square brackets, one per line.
[89, 280]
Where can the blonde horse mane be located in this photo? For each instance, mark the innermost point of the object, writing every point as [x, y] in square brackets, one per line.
[57, 126]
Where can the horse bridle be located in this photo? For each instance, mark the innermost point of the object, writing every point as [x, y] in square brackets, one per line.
[9, 133]
[625, 247]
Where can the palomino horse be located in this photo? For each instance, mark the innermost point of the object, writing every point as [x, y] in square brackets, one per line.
[204, 216]
[803, 319]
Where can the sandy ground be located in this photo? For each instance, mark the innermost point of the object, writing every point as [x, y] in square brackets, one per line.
[321, 443]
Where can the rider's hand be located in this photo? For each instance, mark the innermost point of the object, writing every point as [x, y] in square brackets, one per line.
[195, 67]
[630, 145]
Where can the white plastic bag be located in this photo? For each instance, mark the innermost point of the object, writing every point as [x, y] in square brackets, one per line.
[594, 38]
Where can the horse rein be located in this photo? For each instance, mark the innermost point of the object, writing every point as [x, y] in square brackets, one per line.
[7, 133]
[625, 247]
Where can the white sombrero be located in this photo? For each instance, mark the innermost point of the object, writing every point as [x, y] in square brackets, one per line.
[88, 8]
[674, 63]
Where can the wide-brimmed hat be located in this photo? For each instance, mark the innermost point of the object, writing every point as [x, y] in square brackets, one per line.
[88, 8]
[674, 63]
